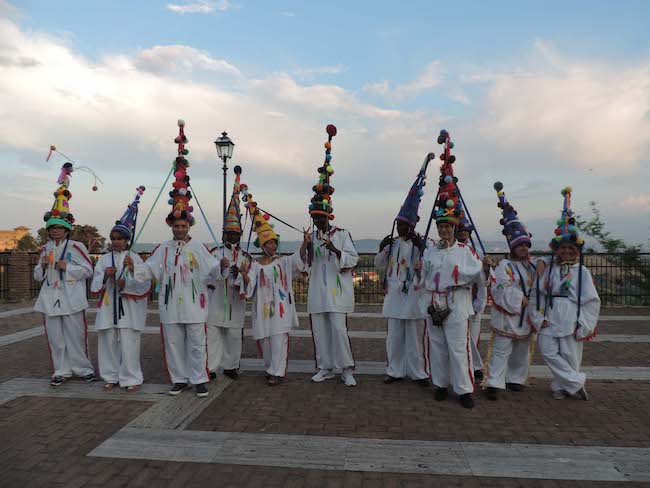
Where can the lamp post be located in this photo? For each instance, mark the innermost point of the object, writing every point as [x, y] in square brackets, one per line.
[224, 150]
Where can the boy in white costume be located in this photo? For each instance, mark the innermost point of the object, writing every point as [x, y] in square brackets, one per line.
[570, 308]
[445, 276]
[508, 356]
[227, 300]
[269, 281]
[63, 267]
[405, 337]
[331, 291]
[181, 268]
[121, 307]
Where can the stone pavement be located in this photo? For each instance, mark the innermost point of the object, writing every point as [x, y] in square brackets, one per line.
[301, 434]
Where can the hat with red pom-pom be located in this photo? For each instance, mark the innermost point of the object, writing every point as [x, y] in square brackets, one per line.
[447, 206]
[321, 202]
[180, 196]
[514, 230]
[263, 229]
[126, 225]
[233, 215]
[409, 211]
[566, 230]
[60, 213]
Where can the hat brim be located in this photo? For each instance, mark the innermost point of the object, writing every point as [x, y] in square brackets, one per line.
[57, 221]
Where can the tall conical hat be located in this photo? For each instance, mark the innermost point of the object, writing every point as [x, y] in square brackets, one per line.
[126, 225]
[409, 211]
[566, 230]
[514, 230]
[180, 196]
[321, 202]
[447, 206]
[233, 215]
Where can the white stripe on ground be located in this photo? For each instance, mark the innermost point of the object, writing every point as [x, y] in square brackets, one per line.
[16, 312]
[597, 463]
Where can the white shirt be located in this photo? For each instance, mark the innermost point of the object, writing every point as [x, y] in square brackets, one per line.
[228, 299]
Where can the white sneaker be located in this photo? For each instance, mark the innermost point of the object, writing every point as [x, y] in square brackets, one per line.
[322, 375]
[348, 377]
[559, 394]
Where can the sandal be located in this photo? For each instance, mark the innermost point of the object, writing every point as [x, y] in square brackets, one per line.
[109, 386]
[133, 388]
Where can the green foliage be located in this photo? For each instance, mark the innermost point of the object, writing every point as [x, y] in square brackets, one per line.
[27, 243]
[90, 237]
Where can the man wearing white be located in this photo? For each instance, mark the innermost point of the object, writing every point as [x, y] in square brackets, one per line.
[406, 322]
[63, 268]
[121, 307]
[508, 354]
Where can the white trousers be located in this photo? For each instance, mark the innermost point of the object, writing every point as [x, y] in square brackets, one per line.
[509, 362]
[563, 356]
[475, 335]
[118, 354]
[331, 342]
[275, 351]
[405, 348]
[450, 357]
[67, 339]
[185, 352]
[224, 347]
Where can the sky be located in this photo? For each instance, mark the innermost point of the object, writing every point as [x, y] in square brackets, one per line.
[537, 95]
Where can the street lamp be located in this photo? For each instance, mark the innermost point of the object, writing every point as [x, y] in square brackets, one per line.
[224, 150]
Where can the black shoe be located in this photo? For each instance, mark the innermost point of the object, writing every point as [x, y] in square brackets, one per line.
[478, 375]
[492, 393]
[57, 380]
[212, 375]
[582, 393]
[201, 390]
[391, 379]
[467, 401]
[514, 387]
[177, 388]
[423, 382]
[89, 378]
[441, 394]
[231, 373]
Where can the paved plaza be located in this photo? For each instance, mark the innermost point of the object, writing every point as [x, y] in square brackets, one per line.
[246, 434]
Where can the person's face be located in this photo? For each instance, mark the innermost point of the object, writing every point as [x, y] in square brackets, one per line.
[56, 232]
[320, 221]
[567, 252]
[180, 229]
[271, 247]
[118, 241]
[463, 236]
[521, 252]
[402, 228]
[446, 231]
[232, 237]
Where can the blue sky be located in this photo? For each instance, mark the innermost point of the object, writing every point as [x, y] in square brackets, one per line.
[538, 95]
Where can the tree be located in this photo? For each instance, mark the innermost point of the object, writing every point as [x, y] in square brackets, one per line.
[595, 227]
[90, 237]
[27, 243]
[42, 237]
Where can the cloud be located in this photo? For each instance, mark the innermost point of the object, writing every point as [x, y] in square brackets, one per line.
[18, 62]
[200, 7]
[637, 202]
[430, 77]
[457, 95]
[309, 73]
[596, 114]
[179, 59]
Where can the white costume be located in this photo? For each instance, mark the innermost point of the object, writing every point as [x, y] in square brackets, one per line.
[561, 337]
[405, 339]
[445, 282]
[62, 301]
[182, 270]
[274, 308]
[226, 312]
[509, 352]
[479, 302]
[121, 317]
[330, 299]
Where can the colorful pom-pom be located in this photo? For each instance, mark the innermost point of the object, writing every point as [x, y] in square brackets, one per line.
[451, 145]
[498, 186]
[558, 231]
[450, 203]
[568, 189]
[331, 130]
[182, 191]
[181, 123]
[330, 169]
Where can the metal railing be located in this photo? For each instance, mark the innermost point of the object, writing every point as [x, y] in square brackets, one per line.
[4, 275]
[621, 280]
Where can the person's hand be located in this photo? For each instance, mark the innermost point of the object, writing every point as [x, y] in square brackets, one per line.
[224, 263]
[306, 236]
[128, 262]
[110, 271]
[487, 261]
[418, 265]
[540, 266]
[45, 261]
[61, 264]
[544, 324]
[120, 283]
[524, 302]
[211, 287]
[385, 242]
[329, 245]
[234, 270]
[417, 241]
[346, 270]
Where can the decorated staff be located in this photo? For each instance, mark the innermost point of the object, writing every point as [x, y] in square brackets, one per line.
[406, 322]
[568, 314]
[122, 306]
[511, 345]
[448, 272]
[63, 267]
[181, 267]
[331, 291]
[269, 281]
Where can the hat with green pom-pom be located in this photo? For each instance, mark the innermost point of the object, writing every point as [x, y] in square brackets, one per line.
[447, 206]
[321, 202]
[514, 230]
[566, 230]
[180, 196]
